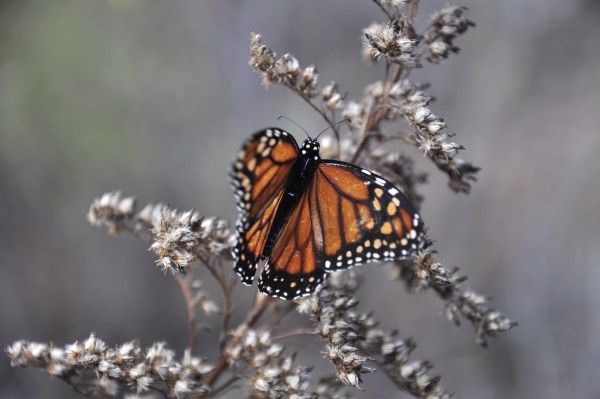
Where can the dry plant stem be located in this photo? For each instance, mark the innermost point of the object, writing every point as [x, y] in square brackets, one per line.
[227, 311]
[227, 288]
[322, 113]
[253, 315]
[402, 384]
[381, 138]
[365, 134]
[382, 8]
[411, 10]
[397, 73]
[373, 118]
[191, 310]
[83, 392]
[369, 124]
[279, 311]
[223, 386]
[293, 333]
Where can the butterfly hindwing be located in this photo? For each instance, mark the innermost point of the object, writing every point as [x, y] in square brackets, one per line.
[291, 270]
[258, 177]
[362, 218]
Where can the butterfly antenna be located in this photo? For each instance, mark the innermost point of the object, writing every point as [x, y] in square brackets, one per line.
[294, 122]
[332, 125]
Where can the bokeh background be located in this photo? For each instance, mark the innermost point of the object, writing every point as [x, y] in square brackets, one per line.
[154, 98]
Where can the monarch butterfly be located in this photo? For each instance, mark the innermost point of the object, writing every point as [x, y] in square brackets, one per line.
[308, 216]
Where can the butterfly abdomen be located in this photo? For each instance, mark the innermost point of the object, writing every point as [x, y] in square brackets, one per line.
[299, 179]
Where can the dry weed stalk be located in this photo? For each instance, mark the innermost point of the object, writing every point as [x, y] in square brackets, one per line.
[353, 342]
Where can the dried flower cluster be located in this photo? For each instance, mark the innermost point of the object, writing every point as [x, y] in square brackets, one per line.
[334, 320]
[201, 299]
[179, 238]
[286, 70]
[96, 370]
[391, 41]
[274, 376]
[331, 311]
[352, 339]
[251, 355]
[111, 210]
[397, 43]
[445, 25]
[428, 272]
[177, 235]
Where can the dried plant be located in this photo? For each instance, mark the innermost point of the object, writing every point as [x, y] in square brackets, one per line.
[186, 242]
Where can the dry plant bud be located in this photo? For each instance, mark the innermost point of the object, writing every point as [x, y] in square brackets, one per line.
[332, 99]
[274, 375]
[180, 237]
[428, 273]
[97, 370]
[286, 70]
[352, 339]
[392, 3]
[330, 311]
[309, 82]
[283, 70]
[356, 113]
[446, 25]
[390, 42]
[110, 210]
[176, 235]
[151, 214]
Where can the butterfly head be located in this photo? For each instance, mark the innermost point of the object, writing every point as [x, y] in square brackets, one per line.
[310, 149]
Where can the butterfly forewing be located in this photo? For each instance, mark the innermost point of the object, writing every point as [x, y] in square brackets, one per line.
[258, 177]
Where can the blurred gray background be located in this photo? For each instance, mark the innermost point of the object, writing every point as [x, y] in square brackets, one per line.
[155, 98]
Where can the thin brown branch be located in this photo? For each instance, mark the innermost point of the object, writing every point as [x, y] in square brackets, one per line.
[322, 113]
[227, 289]
[411, 9]
[253, 316]
[227, 311]
[279, 312]
[293, 333]
[191, 310]
[223, 386]
[375, 114]
[382, 8]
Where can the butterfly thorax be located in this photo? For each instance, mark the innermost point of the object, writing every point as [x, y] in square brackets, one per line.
[298, 180]
[308, 159]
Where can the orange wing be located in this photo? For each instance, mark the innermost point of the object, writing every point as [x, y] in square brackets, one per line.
[348, 216]
[292, 269]
[363, 217]
[258, 177]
